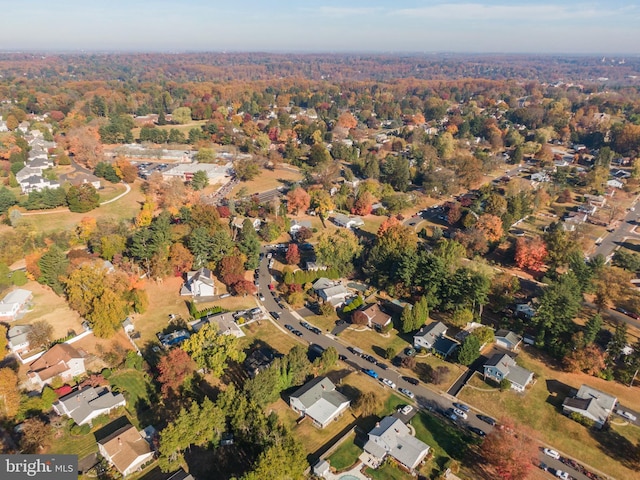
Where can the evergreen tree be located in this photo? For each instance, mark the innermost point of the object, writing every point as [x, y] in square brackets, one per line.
[469, 351]
[53, 267]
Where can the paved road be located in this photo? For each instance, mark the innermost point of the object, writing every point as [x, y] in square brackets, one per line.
[613, 239]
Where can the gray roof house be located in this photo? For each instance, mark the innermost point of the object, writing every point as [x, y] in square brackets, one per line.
[323, 283]
[319, 400]
[590, 403]
[392, 437]
[15, 303]
[199, 284]
[427, 335]
[335, 295]
[17, 337]
[297, 225]
[86, 404]
[501, 366]
[507, 339]
[347, 221]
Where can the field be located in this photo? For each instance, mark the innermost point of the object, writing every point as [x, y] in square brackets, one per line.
[268, 180]
[265, 331]
[540, 408]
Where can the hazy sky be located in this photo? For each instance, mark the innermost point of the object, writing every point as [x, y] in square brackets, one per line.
[542, 26]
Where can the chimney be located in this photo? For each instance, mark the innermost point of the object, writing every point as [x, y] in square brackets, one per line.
[119, 441]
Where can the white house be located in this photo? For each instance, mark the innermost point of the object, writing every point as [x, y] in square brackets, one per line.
[507, 339]
[540, 177]
[14, 304]
[525, 310]
[17, 337]
[335, 295]
[199, 284]
[500, 367]
[615, 183]
[392, 437]
[319, 400]
[297, 225]
[346, 221]
[238, 223]
[125, 449]
[61, 360]
[87, 403]
[590, 403]
[426, 337]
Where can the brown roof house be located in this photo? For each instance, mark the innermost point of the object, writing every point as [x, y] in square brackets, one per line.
[376, 318]
[125, 449]
[61, 360]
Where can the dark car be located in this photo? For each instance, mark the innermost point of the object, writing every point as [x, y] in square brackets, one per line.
[316, 330]
[306, 325]
[291, 328]
[342, 357]
[476, 430]
[369, 358]
[486, 419]
[297, 333]
[461, 406]
[383, 366]
[275, 315]
[411, 380]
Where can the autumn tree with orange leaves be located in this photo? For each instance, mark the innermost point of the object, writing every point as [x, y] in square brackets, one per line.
[530, 253]
[491, 226]
[509, 452]
[84, 144]
[298, 199]
[174, 369]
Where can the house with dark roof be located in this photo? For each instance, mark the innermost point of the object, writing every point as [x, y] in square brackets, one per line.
[125, 449]
[61, 360]
[502, 366]
[258, 360]
[87, 403]
[319, 400]
[199, 283]
[590, 403]
[507, 339]
[393, 438]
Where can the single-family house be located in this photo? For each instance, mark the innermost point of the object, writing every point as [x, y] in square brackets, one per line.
[615, 183]
[238, 223]
[314, 267]
[41, 163]
[392, 437]
[347, 221]
[14, 304]
[297, 225]
[335, 295]
[258, 360]
[507, 339]
[595, 200]
[18, 338]
[376, 317]
[125, 449]
[427, 335]
[323, 283]
[128, 326]
[61, 360]
[224, 322]
[590, 403]
[319, 400]
[540, 177]
[80, 178]
[502, 366]
[588, 209]
[622, 174]
[199, 283]
[87, 403]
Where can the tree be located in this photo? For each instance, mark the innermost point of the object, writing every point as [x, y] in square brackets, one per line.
[359, 318]
[328, 359]
[212, 350]
[618, 342]
[390, 353]
[367, 403]
[490, 226]
[40, 334]
[174, 368]
[83, 198]
[611, 284]
[9, 393]
[590, 360]
[293, 254]
[509, 451]
[298, 199]
[461, 317]
[35, 435]
[3, 339]
[181, 115]
[246, 169]
[125, 170]
[284, 459]
[530, 253]
[469, 351]
[592, 329]
[199, 180]
[338, 249]
[7, 199]
[53, 266]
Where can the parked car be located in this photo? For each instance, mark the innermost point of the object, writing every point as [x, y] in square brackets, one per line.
[486, 419]
[370, 372]
[406, 410]
[460, 413]
[388, 383]
[551, 453]
[406, 392]
[461, 406]
[342, 357]
[369, 358]
[410, 352]
[261, 297]
[297, 333]
[411, 380]
[383, 366]
[627, 415]
[306, 325]
[476, 430]
[563, 475]
[291, 328]
[275, 315]
[450, 414]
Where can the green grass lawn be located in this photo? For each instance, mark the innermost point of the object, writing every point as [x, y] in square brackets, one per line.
[136, 388]
[374, 342]
[388, 471]
[346, 455]
[81, 445]
[325, 323]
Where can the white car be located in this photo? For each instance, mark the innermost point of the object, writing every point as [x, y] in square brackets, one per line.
[388, 383]
[460, 413]
[406, 410]
[562, 475]
[627, 415]
[551, 453]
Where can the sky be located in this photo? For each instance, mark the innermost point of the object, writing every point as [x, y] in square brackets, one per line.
[468, 26]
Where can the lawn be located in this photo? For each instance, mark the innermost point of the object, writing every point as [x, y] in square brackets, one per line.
[455, 370]
[133, 384]
[346, 455]
[81, 445]
[373, 342]
[268, 180]
[388, 471]
[268, 333]
[540, 408]
[322, 322]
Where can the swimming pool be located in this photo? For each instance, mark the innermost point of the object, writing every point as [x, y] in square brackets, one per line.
[348, 477]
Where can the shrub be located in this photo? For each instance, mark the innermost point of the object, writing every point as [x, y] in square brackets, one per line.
[133, 360]
[505, 385]
[106, 372]
[581, 419]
